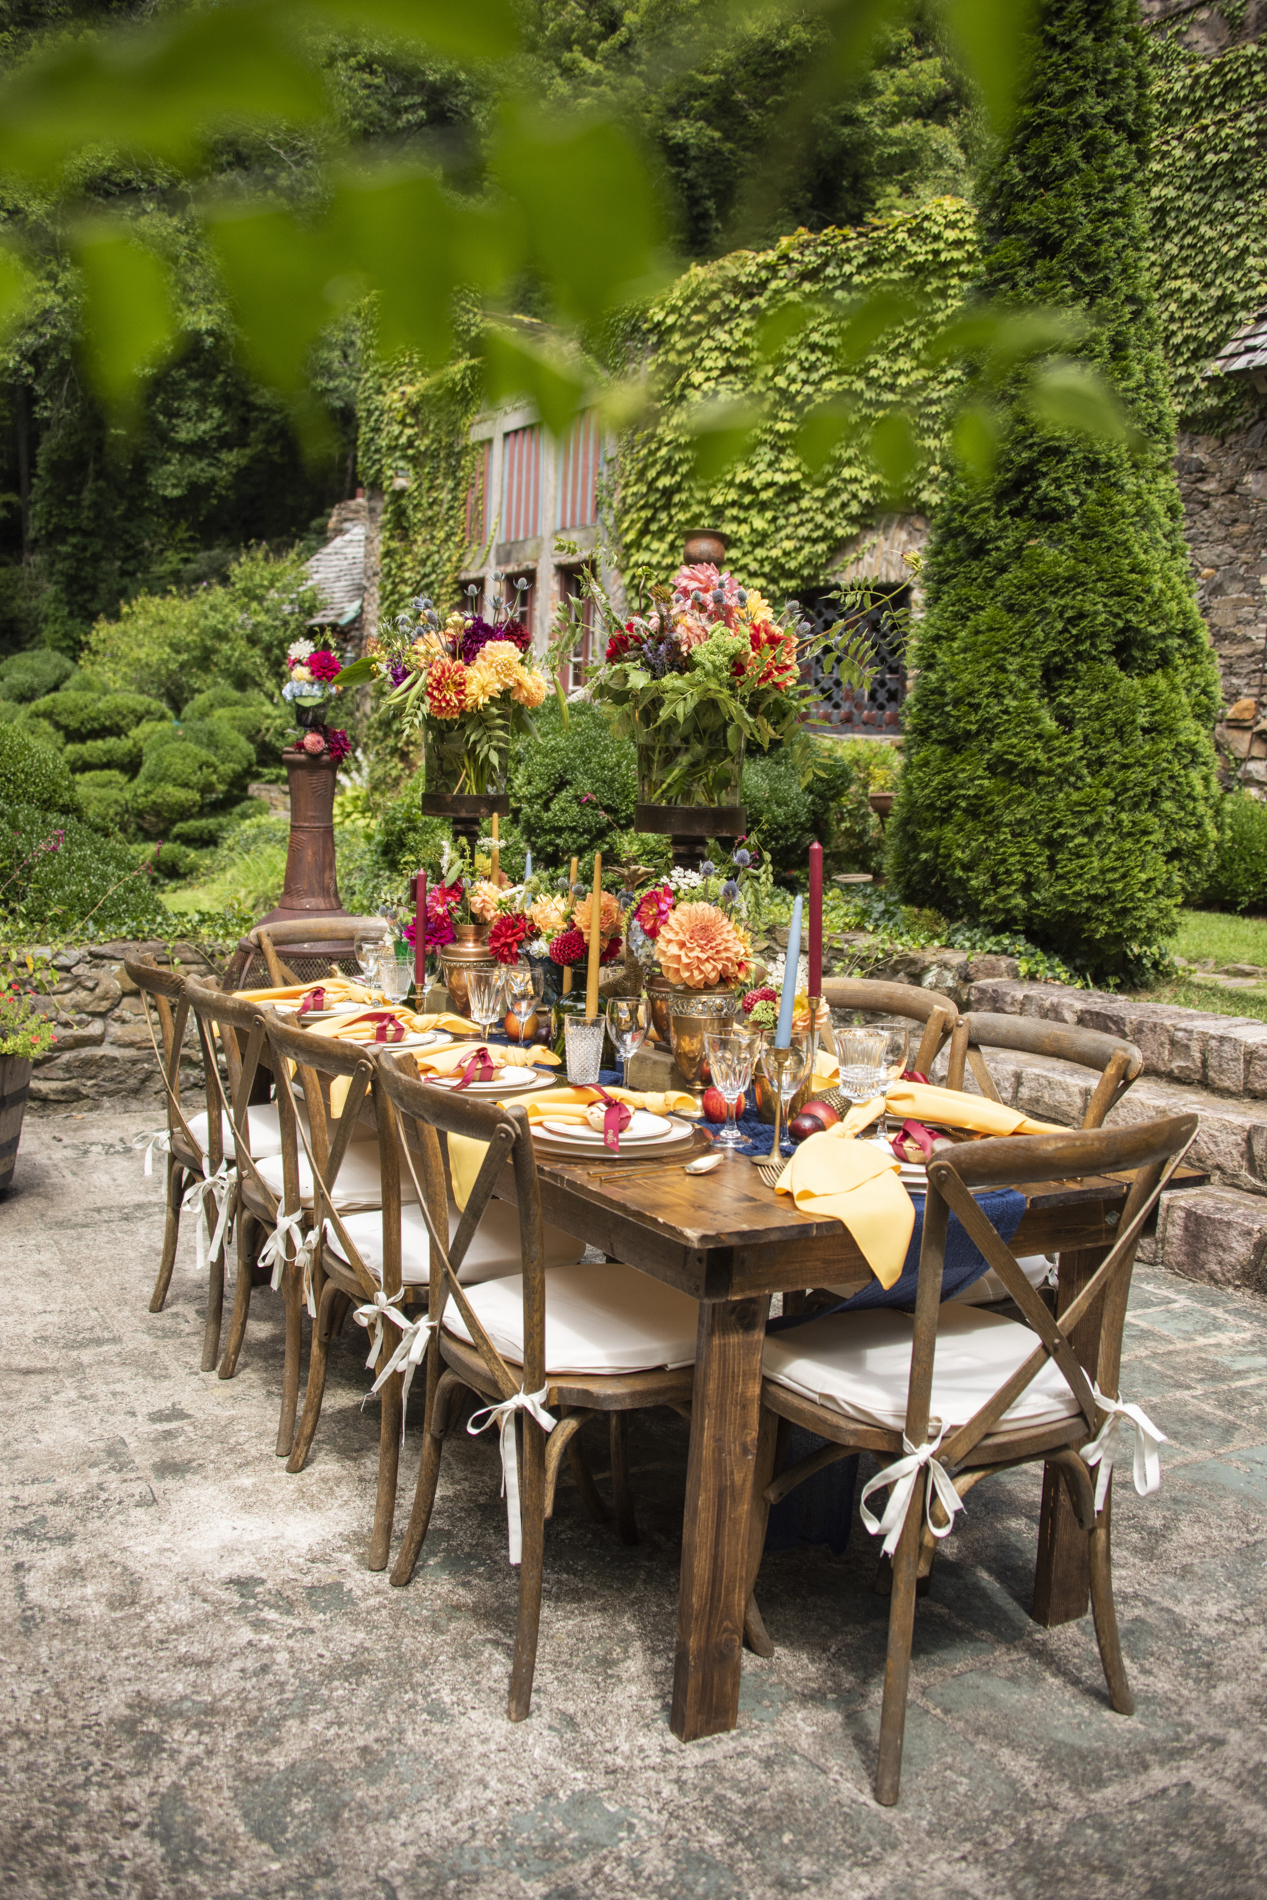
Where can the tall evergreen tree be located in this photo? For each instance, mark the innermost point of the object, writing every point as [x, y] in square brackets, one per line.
[1060, 774]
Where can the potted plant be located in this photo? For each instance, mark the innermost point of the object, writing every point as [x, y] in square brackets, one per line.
[25, 1032]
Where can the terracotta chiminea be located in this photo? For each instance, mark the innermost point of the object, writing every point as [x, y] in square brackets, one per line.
[705, 544]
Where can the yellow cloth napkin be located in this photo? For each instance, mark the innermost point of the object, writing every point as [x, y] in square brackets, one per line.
[338, 989]
[449, 1060]
[362, 1028]
[854, 1182]
[916, 1101]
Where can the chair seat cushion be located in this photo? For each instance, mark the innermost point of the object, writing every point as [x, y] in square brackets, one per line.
[358, 1181]
[600, 1318]
[1035, 1267]
[494, 1252]
[860, 1364]
[263, 1127]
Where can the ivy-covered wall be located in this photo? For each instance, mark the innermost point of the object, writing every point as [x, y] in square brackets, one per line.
[786, 526]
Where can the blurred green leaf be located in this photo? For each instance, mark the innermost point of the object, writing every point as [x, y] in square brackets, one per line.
[15, 288]
[722, 432]
[158, 88]
[285, 283]
[360, 673]
[487, 30]
[855, 26]
[894, 452]
[870, 321]
[784, 325]
[994, 40]
[823, 430]
[975, 439]
[583, 193]
[1004, 338]
[518, 365]
[129, 319]
[1073, 395]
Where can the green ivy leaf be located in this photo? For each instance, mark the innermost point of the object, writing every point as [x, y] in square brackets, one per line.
[994, 41]
[130, 321]
[1073, 395]
[894, 452]
[519, 366]
[975, 439]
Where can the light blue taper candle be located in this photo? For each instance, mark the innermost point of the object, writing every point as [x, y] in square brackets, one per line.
[527, 865]
[783, 1034]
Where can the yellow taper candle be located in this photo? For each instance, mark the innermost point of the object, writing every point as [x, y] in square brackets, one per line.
[596, 912]
[567, 974]
[496, 852]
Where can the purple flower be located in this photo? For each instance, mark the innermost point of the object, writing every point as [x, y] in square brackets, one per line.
[397, 673]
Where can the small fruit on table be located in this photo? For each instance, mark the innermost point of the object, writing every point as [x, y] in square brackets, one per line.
[513, 1031]
[814, 1119]
[715, 1106]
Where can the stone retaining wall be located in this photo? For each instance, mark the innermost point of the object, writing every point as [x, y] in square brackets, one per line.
[103, 1050]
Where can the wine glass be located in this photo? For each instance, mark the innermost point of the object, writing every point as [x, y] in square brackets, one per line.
[732, 1052]
[368, 946]
[786, 1069]
[486, 996]
[394, 974]
[523, 990]
[628, 1019]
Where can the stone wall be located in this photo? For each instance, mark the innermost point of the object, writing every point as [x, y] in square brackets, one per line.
[1223, 481]
[103, 1050]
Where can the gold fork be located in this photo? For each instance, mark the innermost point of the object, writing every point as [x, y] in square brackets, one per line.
[770, 1171]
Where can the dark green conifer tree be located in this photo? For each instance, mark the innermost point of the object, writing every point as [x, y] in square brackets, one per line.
[1060, 774]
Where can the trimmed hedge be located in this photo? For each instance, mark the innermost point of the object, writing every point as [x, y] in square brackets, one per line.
[1238, 874]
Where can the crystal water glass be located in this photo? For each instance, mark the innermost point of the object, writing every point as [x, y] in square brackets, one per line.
[863, 1057]
[369, 946]
[486, 993]
[583, 1046]
[524, 987]
[786, 1069]
[731, 1055]
[628, 1019]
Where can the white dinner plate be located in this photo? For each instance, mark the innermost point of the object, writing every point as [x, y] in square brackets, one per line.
[681, 1135]
[511, 1080]
[643, 1128]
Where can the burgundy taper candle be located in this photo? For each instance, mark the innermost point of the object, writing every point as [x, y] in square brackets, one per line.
[816, 919]
[420, 937]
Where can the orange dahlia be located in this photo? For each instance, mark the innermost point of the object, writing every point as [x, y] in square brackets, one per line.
[608, 918]
[446, 689]
[699, 947]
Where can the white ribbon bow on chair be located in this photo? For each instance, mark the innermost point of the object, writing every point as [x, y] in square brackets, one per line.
[274, 1249]
[222, 1189]
[1102, 1447]
[902, 1476]
[409, 1350]
[503, 1416]
[162, 1141]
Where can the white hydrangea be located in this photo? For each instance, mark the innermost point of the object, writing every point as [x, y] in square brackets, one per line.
[299, 649]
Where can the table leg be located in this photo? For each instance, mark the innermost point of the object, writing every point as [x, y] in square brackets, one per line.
[1062, 1574]
[725, 1422]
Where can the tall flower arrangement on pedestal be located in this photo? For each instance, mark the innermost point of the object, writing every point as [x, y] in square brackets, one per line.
[311, 688]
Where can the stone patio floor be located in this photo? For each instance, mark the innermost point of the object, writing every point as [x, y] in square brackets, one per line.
[207, 1693]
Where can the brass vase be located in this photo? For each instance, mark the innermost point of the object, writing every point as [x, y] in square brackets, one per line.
[667, 999]
[468, 951]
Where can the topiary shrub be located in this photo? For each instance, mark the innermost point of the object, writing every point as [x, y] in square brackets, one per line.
[104, 797]
[573, 787]
[1060, 776]
[1237, 878]
[34, 774]
[87, 886]
[179, 860]
[780, 810]
[89, 715]
[403, 839]
[109, 755]
[161, 803]
[32, 674]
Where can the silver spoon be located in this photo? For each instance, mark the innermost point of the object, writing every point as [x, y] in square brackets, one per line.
[703, 1164]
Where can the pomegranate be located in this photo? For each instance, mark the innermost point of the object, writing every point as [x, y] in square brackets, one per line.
[715, 1106]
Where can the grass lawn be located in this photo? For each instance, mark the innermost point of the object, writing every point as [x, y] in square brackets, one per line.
[1218, 935]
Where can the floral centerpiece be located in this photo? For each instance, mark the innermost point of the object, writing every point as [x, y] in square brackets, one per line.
[311, 689]
[704, 669]
[467, 684]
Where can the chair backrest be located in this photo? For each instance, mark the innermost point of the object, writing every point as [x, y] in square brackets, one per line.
[171, 1005]
[508, 1139]
[1117, 1062]
[938, 1013]
[318, 1062]
[227, 1024]
[1152, 1149]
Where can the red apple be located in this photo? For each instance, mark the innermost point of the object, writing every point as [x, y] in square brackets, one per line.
[715, 1106]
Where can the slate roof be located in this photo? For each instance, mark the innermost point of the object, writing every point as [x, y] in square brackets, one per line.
[1246, 352]
[338, 569]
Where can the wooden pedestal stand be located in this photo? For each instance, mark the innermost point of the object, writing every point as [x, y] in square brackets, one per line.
[311, 890]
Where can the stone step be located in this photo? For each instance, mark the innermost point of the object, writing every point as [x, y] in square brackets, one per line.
[1225, 1054]
[1216, 1233]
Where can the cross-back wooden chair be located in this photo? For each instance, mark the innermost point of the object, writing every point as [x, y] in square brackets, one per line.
[290, 930]
[339, 1176]
[936, 1012]
[1117, 1064]
[549, 1349]
[198, 1174]
[959, 1393]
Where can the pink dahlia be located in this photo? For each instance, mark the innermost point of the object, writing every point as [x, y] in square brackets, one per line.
[324, 666]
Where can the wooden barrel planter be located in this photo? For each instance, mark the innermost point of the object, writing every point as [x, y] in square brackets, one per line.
[15, 1085]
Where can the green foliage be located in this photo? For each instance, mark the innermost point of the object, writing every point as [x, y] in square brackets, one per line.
[25, 1030]
[90, 887]
[89, 715]
[786, 817]
[105, 799]
[573, 788]
[1059, 773]
[30, 675]
[1237, 879]
[119, 755]
[706, 336]
[32, 773]
[1207, 190]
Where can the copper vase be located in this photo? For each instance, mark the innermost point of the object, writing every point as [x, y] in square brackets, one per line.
[468, 951]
